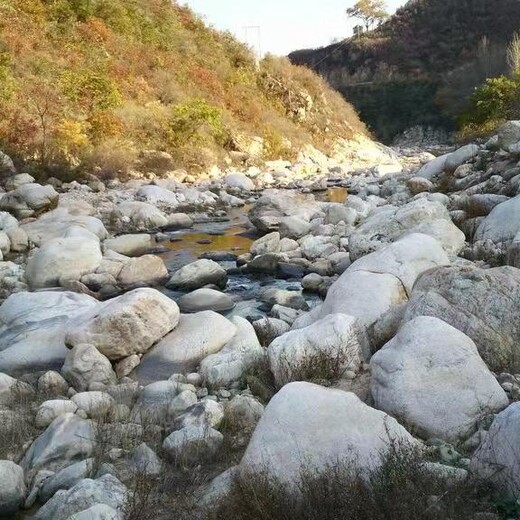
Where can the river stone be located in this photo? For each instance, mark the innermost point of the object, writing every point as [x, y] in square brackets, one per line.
[315, 247]
[33, 328]
[332, 344]
[417, 374]
[461, 156]
[406, 259]
[508, 134]
[482, 303]
[390, 223]
[145, 270]
[129, 324]
[196, 337]
[6, 164]
[365, 295]
[239, 181]
[502, 224]
[62, 259]
[193, 444]
[86, 493]
[66, 440]
[130, 245]
[145, 461]
[29, 199]
[496, 459]
[206, 414]
[433, 168]
[294, 227]
[56, 223]
[12, 489]
[232, 363]
[274, 205]
[16, 181]
[267, 244]
[449, 236]
[85, 365]
[306, 427]
[49, 410]
[139, 216]
[205, 300]
[198, 274]
[94, 404]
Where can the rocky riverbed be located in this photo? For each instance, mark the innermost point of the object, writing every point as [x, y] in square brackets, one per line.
[259, 324]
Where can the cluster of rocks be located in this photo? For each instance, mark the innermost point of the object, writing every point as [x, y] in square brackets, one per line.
[415, 342]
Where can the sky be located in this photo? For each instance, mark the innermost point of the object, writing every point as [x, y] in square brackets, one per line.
[281, 26]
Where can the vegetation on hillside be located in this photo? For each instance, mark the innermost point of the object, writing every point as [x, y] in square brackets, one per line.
[89, 84]
[495, 101]
[453, 45]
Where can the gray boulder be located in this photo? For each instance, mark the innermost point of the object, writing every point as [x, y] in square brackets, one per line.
[417, 374]
[196, 337]
[497, 459]
[86, 493]
[198, 274]
[482, 303]
[308, 428]
[129, 324]
[12, 488]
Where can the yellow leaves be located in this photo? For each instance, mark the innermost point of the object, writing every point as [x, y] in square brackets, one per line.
[70, 139]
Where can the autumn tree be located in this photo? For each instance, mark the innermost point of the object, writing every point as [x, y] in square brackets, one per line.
[370, 12]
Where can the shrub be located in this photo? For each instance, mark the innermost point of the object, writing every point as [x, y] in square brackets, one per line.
[191, 121]
[496, 99]
[402, 489]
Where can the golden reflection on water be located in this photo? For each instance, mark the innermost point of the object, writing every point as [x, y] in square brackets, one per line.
[337, 195]
[232, 241]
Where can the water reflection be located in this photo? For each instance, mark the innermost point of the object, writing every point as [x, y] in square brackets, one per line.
[337, 194]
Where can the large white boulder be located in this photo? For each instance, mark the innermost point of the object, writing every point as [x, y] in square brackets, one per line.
[29, 199]
[56, 223]
[431, 376]
[129, 324]
[497, 459]
[309, 428]
[62, 259]
[324, 350]
[198, 274]
[33, 328]
[232, 363]
[406, 259]
[49, 410]
[364, 295]
[390, 223]
[196, 337]
[12, 488]
[482, 303]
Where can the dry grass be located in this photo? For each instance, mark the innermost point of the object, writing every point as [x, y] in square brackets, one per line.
[400, 490]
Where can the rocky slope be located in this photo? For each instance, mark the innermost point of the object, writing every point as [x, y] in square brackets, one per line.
[419, 67]
[128, 385]
[139, 76]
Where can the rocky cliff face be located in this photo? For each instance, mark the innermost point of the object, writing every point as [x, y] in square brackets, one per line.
[419, 67]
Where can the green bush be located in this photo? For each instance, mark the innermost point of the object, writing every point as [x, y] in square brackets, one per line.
[192, 120]
[497, 100]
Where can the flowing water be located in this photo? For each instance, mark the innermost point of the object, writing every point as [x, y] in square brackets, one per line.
[232, 235]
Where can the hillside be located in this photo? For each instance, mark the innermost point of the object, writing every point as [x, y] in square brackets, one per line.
[419, 66]
[92, 84]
